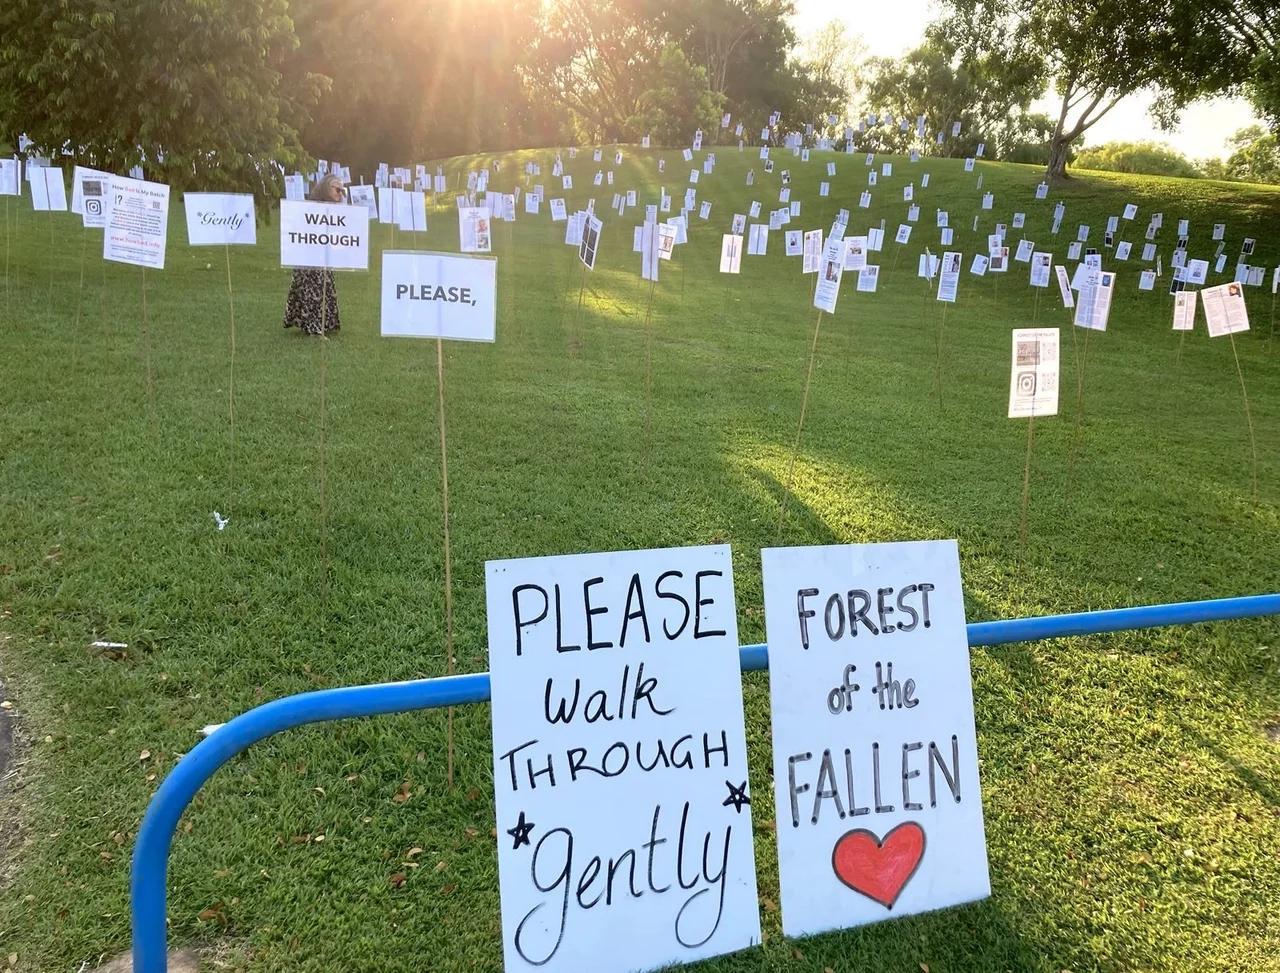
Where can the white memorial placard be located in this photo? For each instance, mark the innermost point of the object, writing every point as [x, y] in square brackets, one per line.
[475, 229]
[1094, 306]
[876, 791]
[619, 757]
[730, 254]
[1224, 309]
[828, 287]
[949, 276]
[1184, 311]
[1064, 286]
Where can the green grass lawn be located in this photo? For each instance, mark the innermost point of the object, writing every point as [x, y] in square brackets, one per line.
[1131, 788]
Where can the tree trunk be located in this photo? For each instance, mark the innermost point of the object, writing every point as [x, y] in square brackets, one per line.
[1056, 171]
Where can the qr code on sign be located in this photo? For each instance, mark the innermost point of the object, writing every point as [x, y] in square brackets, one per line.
[1028, 353]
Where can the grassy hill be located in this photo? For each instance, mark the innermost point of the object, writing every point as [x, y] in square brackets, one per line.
[1131, 782]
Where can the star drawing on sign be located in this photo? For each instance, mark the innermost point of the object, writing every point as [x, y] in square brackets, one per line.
[737, 796]
[521, 831]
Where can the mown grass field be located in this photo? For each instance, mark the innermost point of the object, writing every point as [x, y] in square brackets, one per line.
[1131, 782]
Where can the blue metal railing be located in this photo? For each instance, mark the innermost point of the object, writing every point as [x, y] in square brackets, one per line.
[151, 853]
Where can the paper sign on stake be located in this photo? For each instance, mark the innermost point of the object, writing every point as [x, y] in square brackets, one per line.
[590, 245]
[828, 288]
[593, 676]
[137, 222]
[217, 219]
[475, 229]
[949, 277]
[1225, 311]
[730, 254]
[11, 177]
[1184, 311]
[876, 786]
[1094, 307]
[1033, 377]
[1064, 286]
[438, 295]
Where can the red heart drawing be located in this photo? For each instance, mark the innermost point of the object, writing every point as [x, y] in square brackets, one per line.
[879, 869]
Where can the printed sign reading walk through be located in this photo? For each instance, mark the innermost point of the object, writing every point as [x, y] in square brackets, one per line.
[324, 235]
[438, 295]
[619, 760]
[875, 759]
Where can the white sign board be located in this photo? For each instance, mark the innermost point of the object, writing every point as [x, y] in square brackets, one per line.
[216, 219]
[1184, 311]
[330, 235]
[619, 761]
[875, 759]
[137, 222]
[1224, 309]
[438, 295]
[1033, 377]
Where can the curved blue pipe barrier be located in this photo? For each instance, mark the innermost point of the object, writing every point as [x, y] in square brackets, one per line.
[151, 853]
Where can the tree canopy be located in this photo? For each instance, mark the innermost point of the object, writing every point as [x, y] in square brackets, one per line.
[197, 92]
[1094, 55]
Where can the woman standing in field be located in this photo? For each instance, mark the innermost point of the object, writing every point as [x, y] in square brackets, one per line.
[312, 305]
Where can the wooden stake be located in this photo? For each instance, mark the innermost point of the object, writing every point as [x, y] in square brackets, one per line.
[52, 264]
[795, 447]
[8, 292]
[146, 343]
[448, 556]
[1026, 485]
[231, 381]
[648, 363]
[324, 449]
[1271, 334]
[1244, 397]
[937, 367]
[75, 330]
[1078, 431]
[575, 339]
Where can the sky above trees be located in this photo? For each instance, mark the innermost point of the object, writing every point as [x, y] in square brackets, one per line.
[892, 29]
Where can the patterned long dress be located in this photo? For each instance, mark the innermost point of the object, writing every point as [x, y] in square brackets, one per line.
[312, 305]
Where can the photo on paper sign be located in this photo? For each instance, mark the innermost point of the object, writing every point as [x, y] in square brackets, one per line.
[590, 242]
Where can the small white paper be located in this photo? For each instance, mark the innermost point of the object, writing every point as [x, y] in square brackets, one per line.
[1184, 311]
[1033, 377]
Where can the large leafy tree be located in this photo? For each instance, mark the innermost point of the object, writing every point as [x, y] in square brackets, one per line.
[1095, 54]
[192, 90]
[678, 102]
[595, 59]
[744, 45]
[1255, 156]
[1251, 34]
[989, 98]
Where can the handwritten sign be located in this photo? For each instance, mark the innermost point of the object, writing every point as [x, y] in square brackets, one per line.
[874, 751]
[620, 768]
